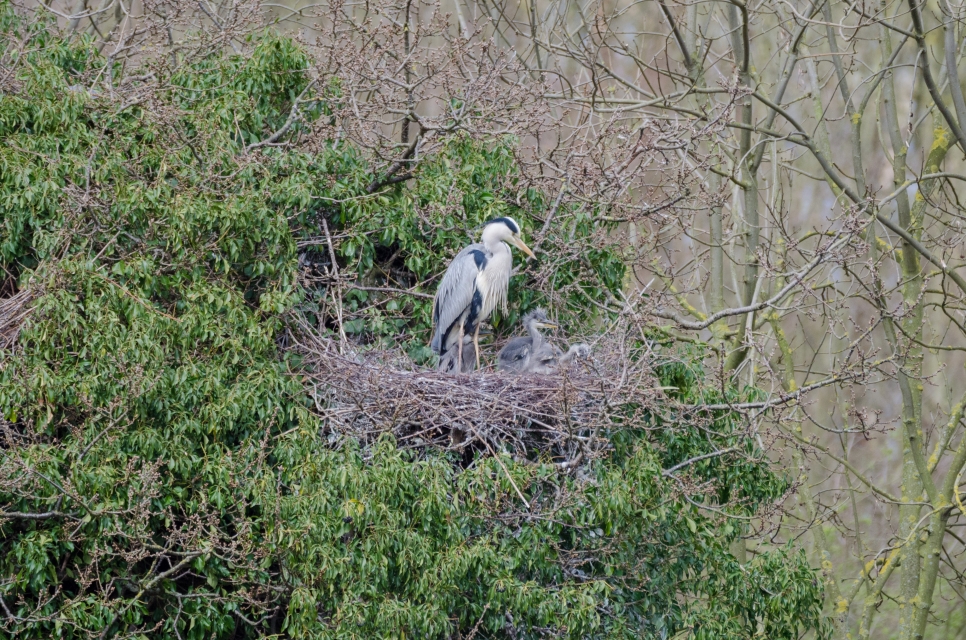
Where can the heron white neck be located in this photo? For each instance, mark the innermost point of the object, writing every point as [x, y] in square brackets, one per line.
[493, 239]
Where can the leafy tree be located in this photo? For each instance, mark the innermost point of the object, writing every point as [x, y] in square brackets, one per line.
[162, 472]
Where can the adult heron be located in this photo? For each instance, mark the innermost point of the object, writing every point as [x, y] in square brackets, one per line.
[533, 354]
[473, 286]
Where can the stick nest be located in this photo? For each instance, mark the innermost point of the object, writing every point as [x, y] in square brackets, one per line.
[565, 414]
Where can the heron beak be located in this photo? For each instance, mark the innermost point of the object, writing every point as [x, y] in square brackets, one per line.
[548, 325]
[518, 243]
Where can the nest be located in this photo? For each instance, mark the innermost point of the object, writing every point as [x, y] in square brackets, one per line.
[565, 414]
[13, 312]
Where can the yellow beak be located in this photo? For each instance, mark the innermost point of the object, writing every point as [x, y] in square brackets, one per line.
[547, 325]
[518, 243]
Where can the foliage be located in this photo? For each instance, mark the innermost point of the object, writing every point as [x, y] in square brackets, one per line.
[161, 475]
[747, 482]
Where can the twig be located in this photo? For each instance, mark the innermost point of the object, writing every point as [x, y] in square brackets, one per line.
[502, 466]
[407, 292]
[338, 287]
[667, 473]
[551, 214]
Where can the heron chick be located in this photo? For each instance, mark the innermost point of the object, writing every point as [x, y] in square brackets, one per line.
[520, 355]
[475, 283]
[467, 355]
[533, 353]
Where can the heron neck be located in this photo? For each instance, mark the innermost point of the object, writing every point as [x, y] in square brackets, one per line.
[535, 335]
[493, 240]
[497, 247]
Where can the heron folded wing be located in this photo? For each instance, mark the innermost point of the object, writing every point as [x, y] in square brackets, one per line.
[515, 356]
[455, 295]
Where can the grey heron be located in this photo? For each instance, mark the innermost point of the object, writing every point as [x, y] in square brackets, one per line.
[475, 283]
[533, 354]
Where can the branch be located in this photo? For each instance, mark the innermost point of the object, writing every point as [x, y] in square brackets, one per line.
[888, 25]
[391, 177]
[775, 299]
[47, 515]
[955, 88]
[923, 251]
[845, 463]
[714, 454]
[783, 398]
[148, 585]
[786, 75]
[745, 39]
[79, 16]
[406, 292]
[688, 62]
[292, 118]
[929, 80]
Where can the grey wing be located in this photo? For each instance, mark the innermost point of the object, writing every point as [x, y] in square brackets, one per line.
[515, 356]
[454, 297]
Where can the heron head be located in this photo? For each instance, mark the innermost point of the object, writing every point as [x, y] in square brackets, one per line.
[505, 230]
[538, 318]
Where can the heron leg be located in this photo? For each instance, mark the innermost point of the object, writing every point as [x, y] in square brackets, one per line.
[459, 352]
[476, 344]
